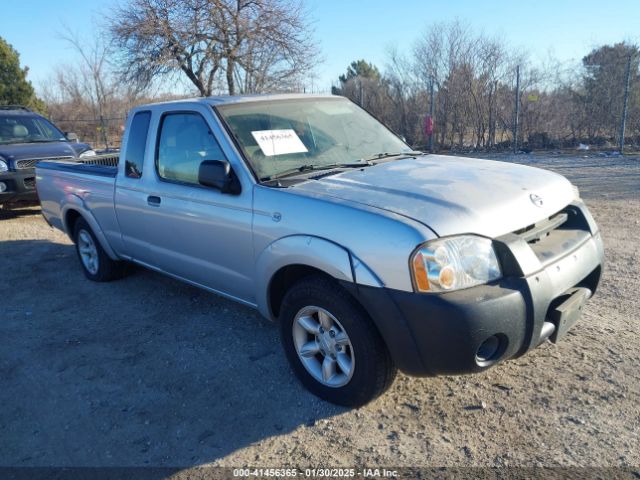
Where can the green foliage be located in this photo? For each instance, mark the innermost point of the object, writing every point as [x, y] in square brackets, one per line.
[360, 69]
[610, 60]
[15, 89]
[603, 87]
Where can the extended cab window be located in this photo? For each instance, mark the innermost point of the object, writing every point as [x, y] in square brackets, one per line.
[185, 142]
[136, 144]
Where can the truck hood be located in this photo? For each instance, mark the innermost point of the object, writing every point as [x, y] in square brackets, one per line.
[452, 195]
[21, 151]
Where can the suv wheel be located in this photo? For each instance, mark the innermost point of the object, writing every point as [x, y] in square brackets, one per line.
[332, 345]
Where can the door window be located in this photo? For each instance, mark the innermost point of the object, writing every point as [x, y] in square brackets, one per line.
[185, 142]
[136, 144]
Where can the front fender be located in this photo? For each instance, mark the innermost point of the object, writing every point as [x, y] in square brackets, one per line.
[311, 251]
[74, 202]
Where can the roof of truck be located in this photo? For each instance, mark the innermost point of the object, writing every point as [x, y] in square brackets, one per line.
[227, 99]
[262, 97]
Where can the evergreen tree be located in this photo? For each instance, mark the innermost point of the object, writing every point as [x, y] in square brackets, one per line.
[604, 80]
[15, 89]
[360, 69]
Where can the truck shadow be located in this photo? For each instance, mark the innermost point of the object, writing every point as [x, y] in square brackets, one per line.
[144, 371]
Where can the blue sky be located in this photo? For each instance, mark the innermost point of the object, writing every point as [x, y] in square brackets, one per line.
[349, 30]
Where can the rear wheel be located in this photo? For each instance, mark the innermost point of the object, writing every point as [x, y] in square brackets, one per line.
[332, 345]
[96, 264]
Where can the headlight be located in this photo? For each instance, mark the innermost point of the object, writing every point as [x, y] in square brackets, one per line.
[454, 263]
[3, 165]
[88, 153]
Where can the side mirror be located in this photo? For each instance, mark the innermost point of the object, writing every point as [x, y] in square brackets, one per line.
[218, 174]
[72, 137]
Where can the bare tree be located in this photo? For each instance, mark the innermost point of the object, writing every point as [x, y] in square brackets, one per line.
[87, 94]
[246, 45]
[560, 104]
[441, 56]
[406, 99]
[468, 71]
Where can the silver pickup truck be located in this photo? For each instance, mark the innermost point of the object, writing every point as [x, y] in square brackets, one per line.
[371, 257]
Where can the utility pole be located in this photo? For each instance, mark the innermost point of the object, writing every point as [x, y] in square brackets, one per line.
[623, 120]
[515, 123]
[431, 115]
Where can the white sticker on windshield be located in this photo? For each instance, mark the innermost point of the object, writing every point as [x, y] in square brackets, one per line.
[279, 142]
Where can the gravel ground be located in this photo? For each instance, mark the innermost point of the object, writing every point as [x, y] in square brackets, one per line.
[150, 372]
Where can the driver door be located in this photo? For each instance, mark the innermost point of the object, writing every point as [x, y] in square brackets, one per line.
[199, 233]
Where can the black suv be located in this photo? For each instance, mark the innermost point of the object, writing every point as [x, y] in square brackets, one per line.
[26, 138]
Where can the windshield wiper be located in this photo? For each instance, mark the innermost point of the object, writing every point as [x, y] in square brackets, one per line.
[373, 159]
[310, 168]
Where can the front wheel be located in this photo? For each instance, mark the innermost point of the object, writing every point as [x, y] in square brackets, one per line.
[332, 345]
[96, 264]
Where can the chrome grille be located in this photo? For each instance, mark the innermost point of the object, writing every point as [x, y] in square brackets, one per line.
[28, 163]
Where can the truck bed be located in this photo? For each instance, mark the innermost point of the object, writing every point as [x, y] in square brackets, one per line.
[79, 168]
[89, 183]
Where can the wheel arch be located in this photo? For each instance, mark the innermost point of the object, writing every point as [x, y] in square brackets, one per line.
[72, 211]
[283, 279]
[291, 258]
[71, 216]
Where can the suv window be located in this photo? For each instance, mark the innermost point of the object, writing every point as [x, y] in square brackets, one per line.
[185, 141]
[136, 144]
[28, 129]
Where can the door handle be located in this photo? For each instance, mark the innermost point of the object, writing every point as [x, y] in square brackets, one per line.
[153, 201]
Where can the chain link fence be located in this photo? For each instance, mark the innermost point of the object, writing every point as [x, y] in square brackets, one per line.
[103, 134]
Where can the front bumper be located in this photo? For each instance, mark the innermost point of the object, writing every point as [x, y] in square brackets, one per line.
[432, 334]
[20, 186]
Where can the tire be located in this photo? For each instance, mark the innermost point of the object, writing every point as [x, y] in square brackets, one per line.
[368, 369]
[100, 268]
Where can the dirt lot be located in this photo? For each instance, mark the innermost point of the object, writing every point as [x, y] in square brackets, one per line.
[149, 372]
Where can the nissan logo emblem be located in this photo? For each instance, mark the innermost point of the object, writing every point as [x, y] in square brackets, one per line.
[536, 200]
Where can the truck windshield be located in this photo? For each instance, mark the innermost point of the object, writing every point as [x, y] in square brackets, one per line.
[23, 129]
[282, 136]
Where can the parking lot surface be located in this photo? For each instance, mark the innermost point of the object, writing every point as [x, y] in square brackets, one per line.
[147, 371]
